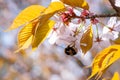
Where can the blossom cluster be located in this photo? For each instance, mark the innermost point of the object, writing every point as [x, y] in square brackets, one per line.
[72, 24]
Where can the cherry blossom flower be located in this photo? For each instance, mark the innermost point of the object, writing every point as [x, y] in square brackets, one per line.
[112, 29]
[65, 34]
[99, 43]
[110, 32]
[117, 3]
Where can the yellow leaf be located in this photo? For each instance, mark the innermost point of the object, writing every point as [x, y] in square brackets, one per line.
[27, 15]
[44, 25]
[104, 79]
[25, 36]
[1, 63]
[54, 7]
[116, 76]
[25, 45]
[35, 33]
[25, 33]
[104, 59]
[87, 40]
[42, 33]
[77, 3]
[109, 59]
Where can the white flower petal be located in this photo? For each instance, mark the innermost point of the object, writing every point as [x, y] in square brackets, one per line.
[115, 35]
[117, 26]
[55, 0]
[53, 38]
[112, 22]
[105, 30]
[117, 3]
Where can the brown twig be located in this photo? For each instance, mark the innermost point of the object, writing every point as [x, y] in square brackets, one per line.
[117, 9]
[100, 16]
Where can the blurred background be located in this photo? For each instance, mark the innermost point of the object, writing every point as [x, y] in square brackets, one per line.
[48, 62]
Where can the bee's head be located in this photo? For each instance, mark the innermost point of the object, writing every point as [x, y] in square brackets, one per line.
[70, 50]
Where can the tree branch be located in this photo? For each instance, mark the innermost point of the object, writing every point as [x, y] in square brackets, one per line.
[99, 16]
[117, 9]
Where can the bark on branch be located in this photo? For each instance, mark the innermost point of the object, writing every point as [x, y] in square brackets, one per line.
[100, 16]
[117, 9]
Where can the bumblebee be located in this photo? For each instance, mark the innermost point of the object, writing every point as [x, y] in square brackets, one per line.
[70, 50]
